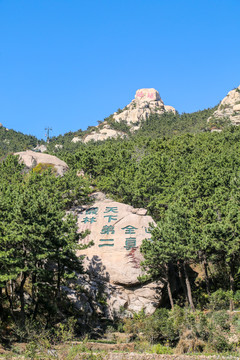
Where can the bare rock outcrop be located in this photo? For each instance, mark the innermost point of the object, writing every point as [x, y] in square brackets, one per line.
[32, 159]
[40, 148]
[146, 102]
[76, 139]
[117, 231]
[102, 134]
[229, 108]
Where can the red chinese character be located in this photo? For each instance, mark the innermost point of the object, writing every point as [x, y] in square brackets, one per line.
[140, 94]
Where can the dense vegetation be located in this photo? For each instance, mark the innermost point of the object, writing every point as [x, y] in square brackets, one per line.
[187, 178]
[170, 124]
[13, 141]
[38, 243]
[190, 184]
[156, 125]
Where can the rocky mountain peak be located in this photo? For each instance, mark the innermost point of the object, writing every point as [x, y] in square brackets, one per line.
[147, 95]
[229, 108]
[145, 102]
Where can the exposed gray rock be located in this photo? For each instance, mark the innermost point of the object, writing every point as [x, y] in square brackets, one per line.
[229, 108]
[146, 101]
[76, 139]
[58, 146]
[32, 159]
[40, 148]
[102, 134]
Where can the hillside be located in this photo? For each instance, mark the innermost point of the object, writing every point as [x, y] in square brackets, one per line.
[145, 115]
[13, 141]
[156, 125]
[163, 198]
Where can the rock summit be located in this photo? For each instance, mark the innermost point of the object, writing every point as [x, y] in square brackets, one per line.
[229, 108]
[145, 103]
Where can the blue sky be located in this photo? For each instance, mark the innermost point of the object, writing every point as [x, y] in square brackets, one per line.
[68, 63]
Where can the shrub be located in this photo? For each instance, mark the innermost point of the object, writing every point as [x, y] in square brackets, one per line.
[161, 349]
[41, 167]
[219, 300]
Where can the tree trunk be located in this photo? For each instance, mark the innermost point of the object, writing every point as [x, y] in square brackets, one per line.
[33, 287]
[10, 299]
[35, 310]
[188, 285]
[58, 279]
[1, 306]
[205, 269]
[22, 301]
[182, 280]
[169, 287]
[231, 283]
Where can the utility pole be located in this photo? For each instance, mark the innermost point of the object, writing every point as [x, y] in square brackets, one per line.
[48, 129]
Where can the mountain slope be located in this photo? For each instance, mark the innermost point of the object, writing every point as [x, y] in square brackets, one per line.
[13, 141]
[228, 111]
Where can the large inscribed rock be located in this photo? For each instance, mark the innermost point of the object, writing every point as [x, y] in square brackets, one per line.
[117, 231]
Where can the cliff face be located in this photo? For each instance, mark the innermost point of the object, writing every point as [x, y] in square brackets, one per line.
[229, 108]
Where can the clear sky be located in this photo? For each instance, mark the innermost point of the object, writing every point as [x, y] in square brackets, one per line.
[68, 63]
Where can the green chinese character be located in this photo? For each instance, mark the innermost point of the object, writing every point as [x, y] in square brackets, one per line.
[107, 229]
[129, 229]
[87, 219]
[106, 244]
[111, 209]
[130, 243]
[111, 218]
[106, 240]
[92, 211]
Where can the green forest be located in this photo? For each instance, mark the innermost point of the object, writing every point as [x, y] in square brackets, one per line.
[187, 178]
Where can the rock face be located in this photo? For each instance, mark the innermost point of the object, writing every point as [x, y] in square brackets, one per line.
[146, 102]
[32, 159]
[40, 148]
[102, 134]
[76, 139]
[229, 107]
[114, 260]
